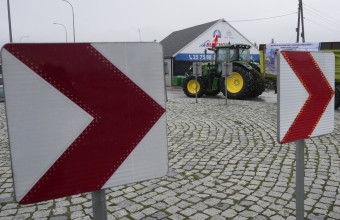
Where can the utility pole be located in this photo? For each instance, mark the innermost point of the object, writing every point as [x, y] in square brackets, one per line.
[300, 15]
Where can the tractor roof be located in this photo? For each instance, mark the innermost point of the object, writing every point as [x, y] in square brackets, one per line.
[232, 46]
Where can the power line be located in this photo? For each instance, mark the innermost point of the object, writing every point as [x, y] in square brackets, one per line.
[321, 14]
[259, 19]
[321, 25]
[335, 25]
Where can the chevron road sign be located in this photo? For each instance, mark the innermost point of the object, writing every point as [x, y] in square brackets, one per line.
[306, 83]
[84, 116]
[306, 95]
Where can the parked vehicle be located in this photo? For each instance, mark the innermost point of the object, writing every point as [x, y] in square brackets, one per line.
[246, 81]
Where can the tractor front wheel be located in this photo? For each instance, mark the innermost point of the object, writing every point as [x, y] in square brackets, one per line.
[189, 86]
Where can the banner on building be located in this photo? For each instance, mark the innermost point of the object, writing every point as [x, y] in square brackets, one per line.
[272, 49]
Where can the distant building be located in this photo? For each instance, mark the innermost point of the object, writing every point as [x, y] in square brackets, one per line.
[183, 47]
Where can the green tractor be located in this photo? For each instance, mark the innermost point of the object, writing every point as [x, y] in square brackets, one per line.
[246, 81]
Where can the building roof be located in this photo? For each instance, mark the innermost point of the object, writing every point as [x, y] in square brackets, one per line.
[178, 39]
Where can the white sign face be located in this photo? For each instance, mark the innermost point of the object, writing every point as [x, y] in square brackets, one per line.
[306, 84]
[84, 116]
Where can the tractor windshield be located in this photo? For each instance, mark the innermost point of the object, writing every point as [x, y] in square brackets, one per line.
[222, 55]
[226, 54]
[245, 55]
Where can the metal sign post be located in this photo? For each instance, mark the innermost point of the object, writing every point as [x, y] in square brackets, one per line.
[196, 81]
[300, 174]
[227, 72]
[226, 91]
[166, 72]
[99, 205]
[197, 70]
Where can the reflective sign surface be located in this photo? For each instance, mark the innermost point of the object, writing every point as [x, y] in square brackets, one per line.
[84, 116]
[306, 95]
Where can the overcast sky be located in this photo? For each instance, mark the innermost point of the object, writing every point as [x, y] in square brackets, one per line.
[117, 21]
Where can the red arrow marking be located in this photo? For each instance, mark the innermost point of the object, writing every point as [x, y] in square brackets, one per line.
[319, 90]
[123, 114]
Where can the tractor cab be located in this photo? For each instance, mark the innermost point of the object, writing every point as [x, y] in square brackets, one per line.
[232, 53]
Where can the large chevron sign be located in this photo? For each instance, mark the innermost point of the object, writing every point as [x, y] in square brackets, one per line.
[306, 95]
[83, 116]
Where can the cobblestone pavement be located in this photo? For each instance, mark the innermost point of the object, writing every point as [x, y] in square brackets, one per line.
[224, 163]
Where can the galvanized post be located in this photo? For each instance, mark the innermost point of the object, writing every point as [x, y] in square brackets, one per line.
[226, 91]
[9, 22]
[227, 71]
[166, 72]
[99, 205]
[196, 68]
[300, 174]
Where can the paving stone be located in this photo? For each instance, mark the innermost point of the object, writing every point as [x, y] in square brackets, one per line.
[212, 201]
[160, 215]
[134, 207]
[222, 206]
[125, 203]
[58, 218]
[224, 163]
[188, 212]
[41, 214]
[212, 211]
[120, 213]
[138, 215]
[277, 217]
[26, 210]
[59, 211]
[256, 208]
[229, 213]
[173, 209]
[149, 211]
[246, 203]
[268, 213]
[248, 214]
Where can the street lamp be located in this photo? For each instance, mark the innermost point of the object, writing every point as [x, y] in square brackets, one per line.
[22, 37]
[74, 33]
[64, 28]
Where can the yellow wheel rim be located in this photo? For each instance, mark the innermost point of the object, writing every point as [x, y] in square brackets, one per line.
[192, 86]
[235, 83]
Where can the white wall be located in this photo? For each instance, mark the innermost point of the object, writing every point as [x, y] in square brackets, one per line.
[227, 34]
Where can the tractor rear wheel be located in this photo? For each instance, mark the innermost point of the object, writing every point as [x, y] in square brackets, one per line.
[189, 86]
[239, 85]
[259, 85]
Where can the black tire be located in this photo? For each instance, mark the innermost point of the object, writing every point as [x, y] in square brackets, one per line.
[239, 74]
[259, 85]
[337, 97]
[189, 86]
